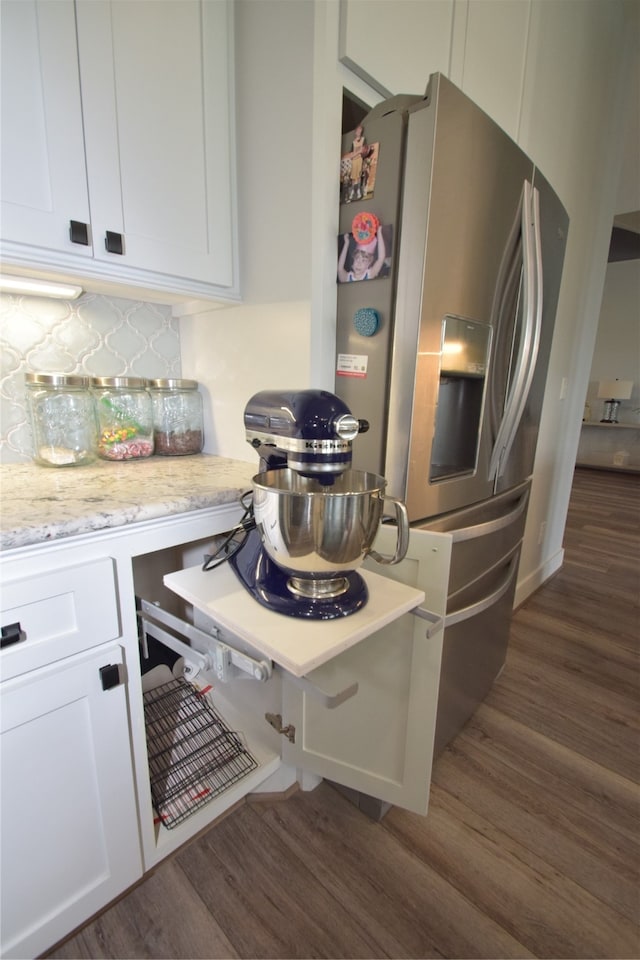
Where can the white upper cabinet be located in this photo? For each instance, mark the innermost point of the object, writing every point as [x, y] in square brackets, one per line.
[493, 39]
[156, 101]
[396, 44]
[44, 179]
[156, 165]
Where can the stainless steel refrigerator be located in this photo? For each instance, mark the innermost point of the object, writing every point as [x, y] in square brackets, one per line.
[444, 344]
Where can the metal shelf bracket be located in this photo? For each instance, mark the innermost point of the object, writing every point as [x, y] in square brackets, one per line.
[207, 652]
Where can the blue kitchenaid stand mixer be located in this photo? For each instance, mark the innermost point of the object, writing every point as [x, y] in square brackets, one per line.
[305, 436]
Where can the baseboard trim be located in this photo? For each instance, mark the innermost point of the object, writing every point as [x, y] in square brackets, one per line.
[540, 575]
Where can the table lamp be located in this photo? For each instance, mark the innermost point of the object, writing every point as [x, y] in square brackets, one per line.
[612, 392]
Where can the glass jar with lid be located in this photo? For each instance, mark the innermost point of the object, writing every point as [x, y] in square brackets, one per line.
[125, 417]
[63, 421]
[177, 417]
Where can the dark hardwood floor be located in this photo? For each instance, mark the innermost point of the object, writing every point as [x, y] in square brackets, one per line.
[531, 846]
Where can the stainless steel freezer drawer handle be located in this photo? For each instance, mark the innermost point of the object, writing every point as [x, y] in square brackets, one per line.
[465, 613]
[491, 526]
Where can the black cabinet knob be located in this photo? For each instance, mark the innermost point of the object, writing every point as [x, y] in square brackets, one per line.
[12, 633]
[79, 232]
[113, 242]
[110, 676]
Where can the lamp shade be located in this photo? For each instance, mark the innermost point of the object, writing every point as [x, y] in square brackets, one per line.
[615, 389]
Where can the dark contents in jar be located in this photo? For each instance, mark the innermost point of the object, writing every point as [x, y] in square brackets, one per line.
[176, 443]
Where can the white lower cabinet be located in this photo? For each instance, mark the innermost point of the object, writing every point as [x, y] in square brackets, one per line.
[364, 717]
[351, 700]
[70, 841]
[380, 742]
[69, 828]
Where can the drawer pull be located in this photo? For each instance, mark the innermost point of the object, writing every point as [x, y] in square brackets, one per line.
[110, 676]
[113, 242]
[12, 633]
[79, 232]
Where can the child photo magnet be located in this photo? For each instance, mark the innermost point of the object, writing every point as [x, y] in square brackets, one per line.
[365, 253]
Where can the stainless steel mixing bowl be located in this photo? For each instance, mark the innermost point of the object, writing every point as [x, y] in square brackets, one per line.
[319, 532]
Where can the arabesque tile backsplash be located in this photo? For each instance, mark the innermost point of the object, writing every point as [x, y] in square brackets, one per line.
[96, 335]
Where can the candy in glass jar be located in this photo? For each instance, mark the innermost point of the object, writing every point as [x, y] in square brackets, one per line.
[63, 421]
[177, 417]
[125, 418]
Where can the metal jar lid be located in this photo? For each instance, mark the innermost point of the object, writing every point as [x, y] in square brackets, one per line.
[173, 384]
[57, 380]
[125, 383]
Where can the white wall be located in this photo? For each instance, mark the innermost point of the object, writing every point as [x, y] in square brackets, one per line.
[628, 193]
[574, 120]
[617, 347]
[238, 352]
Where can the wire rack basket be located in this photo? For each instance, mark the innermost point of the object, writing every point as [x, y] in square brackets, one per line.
[193, 756]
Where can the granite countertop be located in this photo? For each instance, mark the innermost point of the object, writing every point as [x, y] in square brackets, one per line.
[41, 504]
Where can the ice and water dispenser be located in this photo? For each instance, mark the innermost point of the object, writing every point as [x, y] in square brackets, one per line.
[463, 371]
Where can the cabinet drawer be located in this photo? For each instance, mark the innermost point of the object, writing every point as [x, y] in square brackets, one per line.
[61, 612]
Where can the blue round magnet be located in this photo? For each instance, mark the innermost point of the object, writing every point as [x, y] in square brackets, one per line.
[366, 321]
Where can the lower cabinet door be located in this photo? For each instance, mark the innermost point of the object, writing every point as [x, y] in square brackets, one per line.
[379, 741]
[70, 840]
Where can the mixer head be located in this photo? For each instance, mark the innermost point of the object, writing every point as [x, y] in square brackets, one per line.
[309, 431]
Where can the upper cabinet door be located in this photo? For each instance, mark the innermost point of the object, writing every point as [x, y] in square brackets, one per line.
[493, 57]
[395, 45]
[44, 180]
[157, 102]
[119, 116]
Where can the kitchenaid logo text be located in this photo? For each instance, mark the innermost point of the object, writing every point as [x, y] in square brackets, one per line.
[297, 445]
[326, 446]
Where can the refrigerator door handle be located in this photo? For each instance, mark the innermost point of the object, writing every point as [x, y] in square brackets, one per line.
[532, 356]
[466, 613]
[531, 329]
[502, 310]
[491, 526]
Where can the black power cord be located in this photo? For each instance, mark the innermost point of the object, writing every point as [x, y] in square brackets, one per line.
[230, 544]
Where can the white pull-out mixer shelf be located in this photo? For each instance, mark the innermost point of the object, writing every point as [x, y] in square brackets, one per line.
[297, 645]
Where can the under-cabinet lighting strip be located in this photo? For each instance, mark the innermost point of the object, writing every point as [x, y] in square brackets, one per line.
[39, 288]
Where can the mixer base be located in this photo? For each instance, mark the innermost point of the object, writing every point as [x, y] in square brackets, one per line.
[318, 589]
[269, 585]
